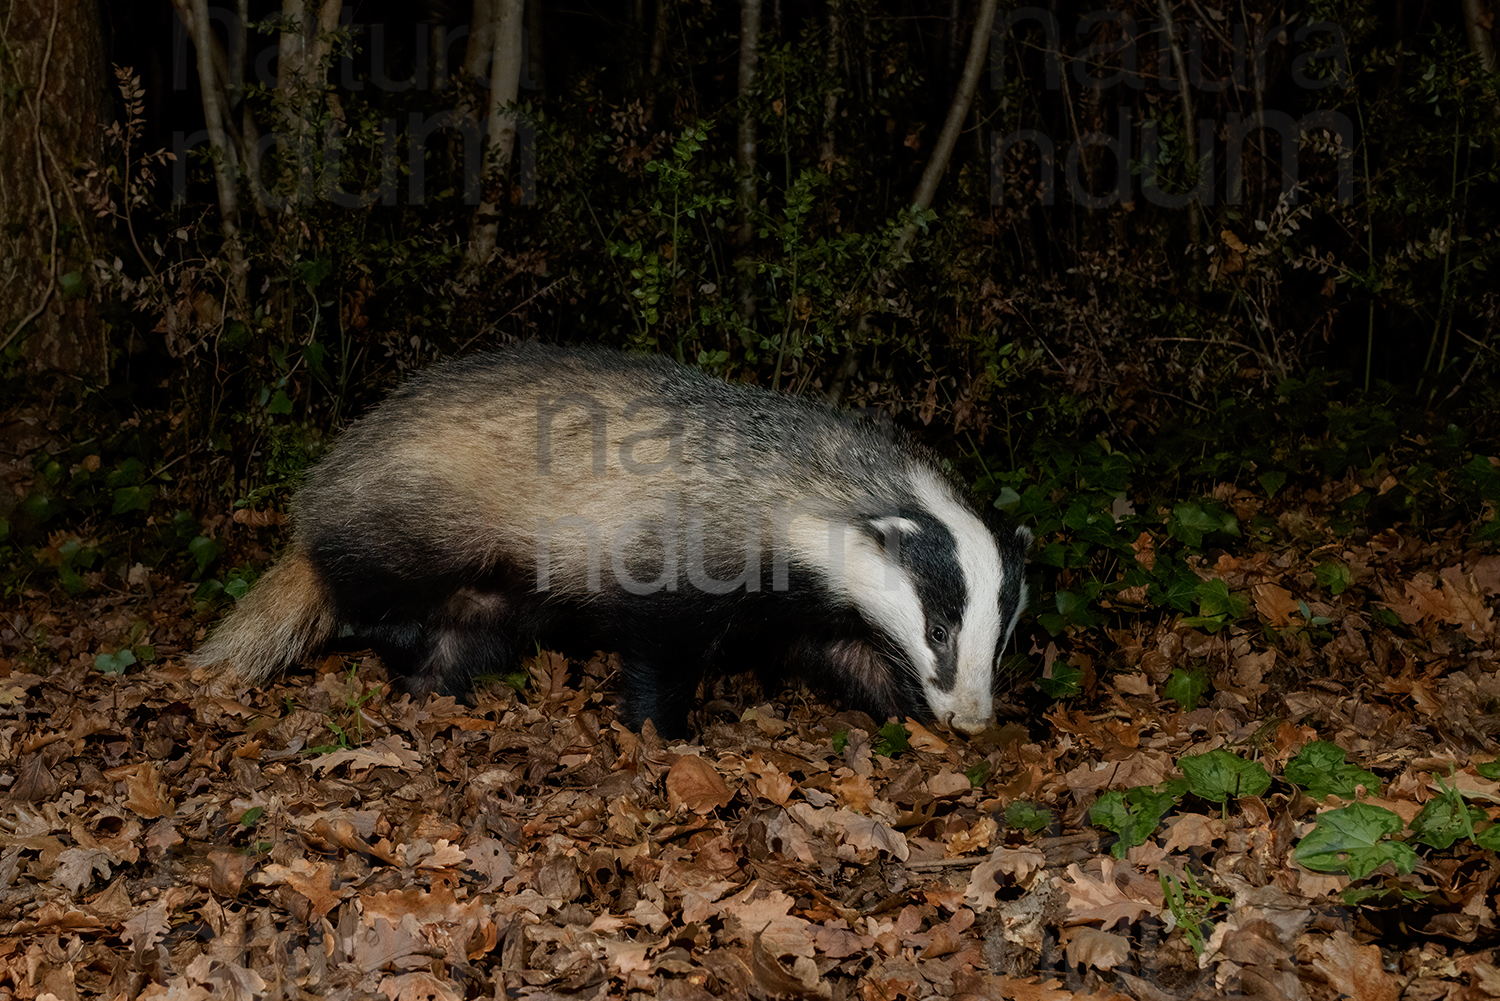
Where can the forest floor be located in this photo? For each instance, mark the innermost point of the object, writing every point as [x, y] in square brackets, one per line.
[1287, 795]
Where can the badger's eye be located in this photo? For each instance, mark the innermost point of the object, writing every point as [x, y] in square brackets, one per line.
[938, 634]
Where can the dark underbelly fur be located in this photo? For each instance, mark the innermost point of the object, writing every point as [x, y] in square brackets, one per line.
[436, 635]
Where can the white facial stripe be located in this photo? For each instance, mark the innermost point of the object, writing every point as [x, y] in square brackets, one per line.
[857, 568]
[971, 701]
[884, 592]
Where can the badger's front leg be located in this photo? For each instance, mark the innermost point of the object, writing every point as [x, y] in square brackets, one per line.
[660, 689]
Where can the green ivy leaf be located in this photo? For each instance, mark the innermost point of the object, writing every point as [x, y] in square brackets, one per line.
[1214, 599]
[1333, 575]
[1351, 841]
[133, 499]
[114, 663]
[204, 550]
[1322, 768]
[1066, 682]
[1186, 688]
[1219, 776]
[894, 739]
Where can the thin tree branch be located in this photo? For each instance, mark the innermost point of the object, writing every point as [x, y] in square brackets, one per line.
[963, 98]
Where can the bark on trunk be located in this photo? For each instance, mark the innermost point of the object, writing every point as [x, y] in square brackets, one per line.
[745, 231]
[500, 127]
[302, 79]
[55, 62]
[831, 99]
[1480, 25]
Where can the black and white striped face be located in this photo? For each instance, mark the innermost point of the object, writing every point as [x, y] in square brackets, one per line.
[949, 596]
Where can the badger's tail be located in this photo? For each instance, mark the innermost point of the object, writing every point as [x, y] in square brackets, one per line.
[286, 614]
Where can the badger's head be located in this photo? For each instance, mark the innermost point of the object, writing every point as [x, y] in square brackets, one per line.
[944, 590]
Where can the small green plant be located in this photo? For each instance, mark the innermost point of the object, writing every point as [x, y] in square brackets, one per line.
[1066, 682]
[135, 652]
[1134, 814]
[1029, 817]
[894, 739]
[114, 663]
[1186, 688]
[351, 732]
[1191, 906]
[1446, 818]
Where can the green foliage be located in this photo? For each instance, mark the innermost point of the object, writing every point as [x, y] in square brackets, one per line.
[894, 739]
[1109, 522]
[136, 652]
[1219, 776]
[1191, 905]
[1134, 814]
[114, 663]
[1446, 818]
[1066, 682]
[1186, 688]
[1216, 606]
[1353, 841]
[349, 732]
[1334, 575]
[1029, 817]
[1322, 769]
[1489, 769]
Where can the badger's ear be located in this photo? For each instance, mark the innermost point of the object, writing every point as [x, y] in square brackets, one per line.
[1023, 536]
[890, 526]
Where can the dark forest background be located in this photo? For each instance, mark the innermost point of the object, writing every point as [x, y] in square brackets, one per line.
[228, 228]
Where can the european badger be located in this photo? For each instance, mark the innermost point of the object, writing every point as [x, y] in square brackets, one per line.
[597, 500]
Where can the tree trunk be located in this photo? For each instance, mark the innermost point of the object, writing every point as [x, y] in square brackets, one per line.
[1480, 25]
[500, 128]
[831, 99]
[302, 78]
[54, 61]
[745, 231]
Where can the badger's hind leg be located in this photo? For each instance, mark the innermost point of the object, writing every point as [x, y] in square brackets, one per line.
[441, 649]
[467, 636]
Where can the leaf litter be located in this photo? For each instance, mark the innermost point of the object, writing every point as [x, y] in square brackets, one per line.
[327, 837]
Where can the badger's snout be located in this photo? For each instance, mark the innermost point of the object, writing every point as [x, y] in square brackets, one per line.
[969, 726]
